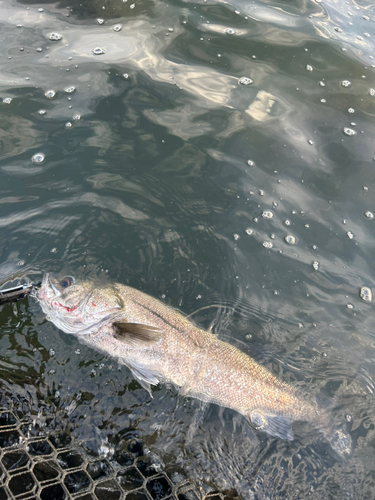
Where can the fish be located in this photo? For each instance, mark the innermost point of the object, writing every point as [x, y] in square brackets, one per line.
[160, 345]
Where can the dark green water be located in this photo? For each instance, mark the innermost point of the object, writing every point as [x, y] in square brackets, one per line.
[164, 170]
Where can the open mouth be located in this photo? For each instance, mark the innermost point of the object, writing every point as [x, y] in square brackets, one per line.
[48, 289]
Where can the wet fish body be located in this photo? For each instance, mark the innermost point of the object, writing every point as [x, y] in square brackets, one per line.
[159, 344]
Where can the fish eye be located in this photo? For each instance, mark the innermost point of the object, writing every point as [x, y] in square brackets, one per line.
[256, 419]
[67, 281]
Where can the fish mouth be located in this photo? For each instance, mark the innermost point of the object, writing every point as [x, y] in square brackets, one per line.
[47, 290]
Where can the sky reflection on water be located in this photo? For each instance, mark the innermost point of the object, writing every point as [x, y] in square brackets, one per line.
[181, 161]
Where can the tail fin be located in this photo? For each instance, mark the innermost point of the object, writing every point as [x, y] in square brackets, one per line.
[339, 440]
[335, 433]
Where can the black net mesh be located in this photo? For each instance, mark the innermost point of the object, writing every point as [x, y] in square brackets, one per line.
[36, 464]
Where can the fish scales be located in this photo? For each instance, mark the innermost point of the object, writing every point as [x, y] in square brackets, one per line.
[159, 344]
[215, 370]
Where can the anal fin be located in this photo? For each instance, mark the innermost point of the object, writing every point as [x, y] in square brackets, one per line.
[279, 426]
[275, 425]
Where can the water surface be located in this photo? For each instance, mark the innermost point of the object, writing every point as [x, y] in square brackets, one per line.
[219, 156]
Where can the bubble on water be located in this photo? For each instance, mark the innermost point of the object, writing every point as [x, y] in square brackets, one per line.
[365, 293]
[100, 21]
[98, 51]
[38, 158]
[311, 142]
[55, 37]
[369, 214]
[7, 100]
[290, 239]
[117, 27]
[250, 163]
[42, 112]
[249, 231]
[372, 92]
[125, 76]
[345, 83]
[68, 125]
[267, 214]
[236, 237]
[322, 84]
[267, 244]
[69, 90]
[349, 306]
[244, 80]
[50, 94]
[309, 67]
[315, 265]
[287, 222]
[349, 131]
[132, 5]
[350, 235]
[230, 31]
[76, 117]
[52, 352]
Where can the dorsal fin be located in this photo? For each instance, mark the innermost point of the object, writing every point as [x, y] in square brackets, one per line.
[136, 334]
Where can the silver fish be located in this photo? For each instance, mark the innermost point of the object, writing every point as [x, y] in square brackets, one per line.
[159, 344]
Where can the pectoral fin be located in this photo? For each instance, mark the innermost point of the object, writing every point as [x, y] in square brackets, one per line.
[135, 334]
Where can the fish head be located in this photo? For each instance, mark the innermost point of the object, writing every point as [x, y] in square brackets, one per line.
[78, 307]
